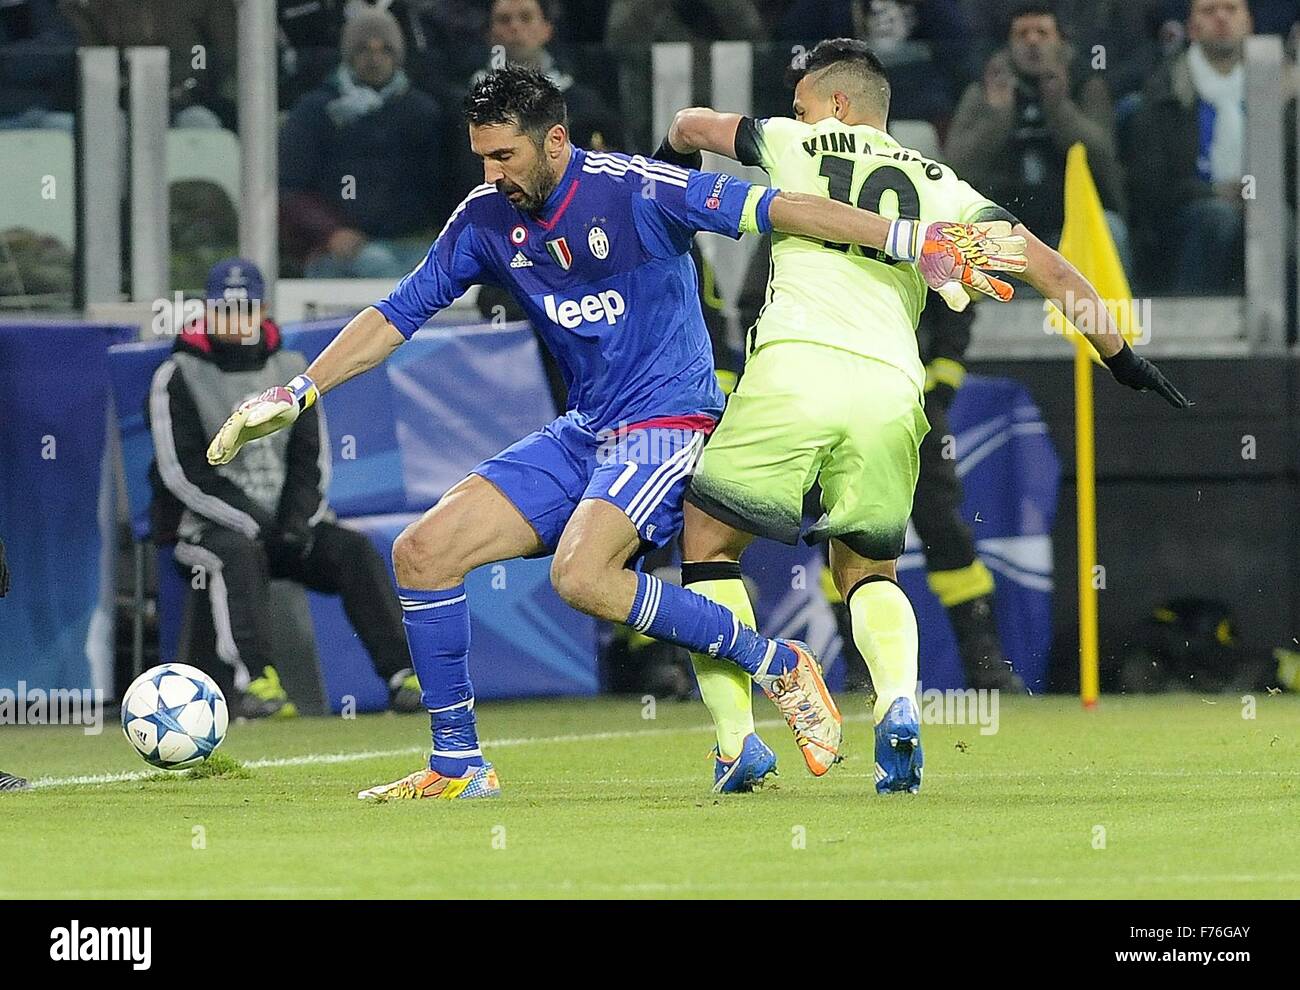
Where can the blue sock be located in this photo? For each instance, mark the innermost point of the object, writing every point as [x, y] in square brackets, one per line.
[437, 630]
[680, 616]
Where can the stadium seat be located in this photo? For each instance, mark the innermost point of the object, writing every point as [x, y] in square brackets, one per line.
[204, 153]
[40, 160]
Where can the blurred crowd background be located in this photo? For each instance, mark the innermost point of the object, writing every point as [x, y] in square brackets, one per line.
[371, 90]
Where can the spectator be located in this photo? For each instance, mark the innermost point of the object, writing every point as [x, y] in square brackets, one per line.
[309, 45]
[1270, 16]
[444, 39]
[1125, 30]
[923, 43]
[265, 515]
[37, 66]
[520, 30]
[1011, 132]
[202, 85]
[363, 187]
[1189, 135]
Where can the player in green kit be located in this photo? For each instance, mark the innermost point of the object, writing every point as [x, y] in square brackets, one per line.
[833, 387]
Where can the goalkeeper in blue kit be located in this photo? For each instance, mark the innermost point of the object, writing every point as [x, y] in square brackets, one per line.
[595, 249]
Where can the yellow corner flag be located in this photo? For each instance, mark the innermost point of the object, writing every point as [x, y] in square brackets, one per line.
[1087, 244]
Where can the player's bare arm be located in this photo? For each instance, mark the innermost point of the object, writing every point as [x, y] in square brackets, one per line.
[1071, 293]
[951, 256]
[364, 343]
[703, 129]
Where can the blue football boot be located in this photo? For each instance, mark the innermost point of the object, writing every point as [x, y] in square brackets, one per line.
[746, 771]
[898, 749]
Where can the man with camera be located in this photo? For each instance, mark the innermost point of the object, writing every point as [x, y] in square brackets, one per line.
[1011, 131]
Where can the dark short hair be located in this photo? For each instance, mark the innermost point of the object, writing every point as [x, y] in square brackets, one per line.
[850, 53]
[1030, 8]
[548, 8]
[517, 95]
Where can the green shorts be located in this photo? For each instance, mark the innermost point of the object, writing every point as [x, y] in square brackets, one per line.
[805, 413]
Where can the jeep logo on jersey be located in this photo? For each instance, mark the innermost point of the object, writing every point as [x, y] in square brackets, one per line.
[598, 242]
[572, 313]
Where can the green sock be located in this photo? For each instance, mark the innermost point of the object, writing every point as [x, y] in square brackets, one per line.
[727, 691]
[884, 630]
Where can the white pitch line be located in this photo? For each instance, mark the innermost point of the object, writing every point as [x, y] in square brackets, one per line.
[309, 759]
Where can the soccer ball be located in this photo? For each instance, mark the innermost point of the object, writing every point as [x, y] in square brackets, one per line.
[174, 715]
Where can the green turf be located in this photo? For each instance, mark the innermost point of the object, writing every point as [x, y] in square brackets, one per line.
[1195, 801]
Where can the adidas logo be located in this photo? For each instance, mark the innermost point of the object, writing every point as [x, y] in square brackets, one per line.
[519, 261]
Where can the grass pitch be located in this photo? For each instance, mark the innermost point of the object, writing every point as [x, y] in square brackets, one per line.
[1168, 797]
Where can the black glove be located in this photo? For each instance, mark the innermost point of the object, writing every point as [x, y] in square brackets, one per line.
[667, 153]
[1139, 373]
[4, 572]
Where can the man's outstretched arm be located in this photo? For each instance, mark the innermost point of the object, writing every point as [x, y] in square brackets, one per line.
[367, 341]
[452, 265]
[952, 257]
[1062, 284]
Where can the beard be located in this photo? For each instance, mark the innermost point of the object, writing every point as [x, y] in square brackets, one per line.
[531, 196]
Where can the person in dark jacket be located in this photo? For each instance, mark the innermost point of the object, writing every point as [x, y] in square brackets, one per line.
[363, 189]
[266, 515]
[521, 31]
[1189, 136]
[1012, 131]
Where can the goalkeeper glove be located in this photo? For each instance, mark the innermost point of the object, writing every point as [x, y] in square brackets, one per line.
[273, 410]
[1139, 373]
[951, 256]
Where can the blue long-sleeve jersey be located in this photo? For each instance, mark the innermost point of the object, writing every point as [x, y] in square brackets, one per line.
[604, 272]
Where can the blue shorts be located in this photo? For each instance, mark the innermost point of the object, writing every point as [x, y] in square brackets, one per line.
[644, 472]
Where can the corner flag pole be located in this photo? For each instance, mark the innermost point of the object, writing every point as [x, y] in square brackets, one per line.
[1086, 487]
[1087, 243]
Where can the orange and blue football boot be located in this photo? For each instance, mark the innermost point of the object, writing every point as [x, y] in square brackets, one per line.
[805, 702]
[898, 749]
[746, 772]
[479, 782]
